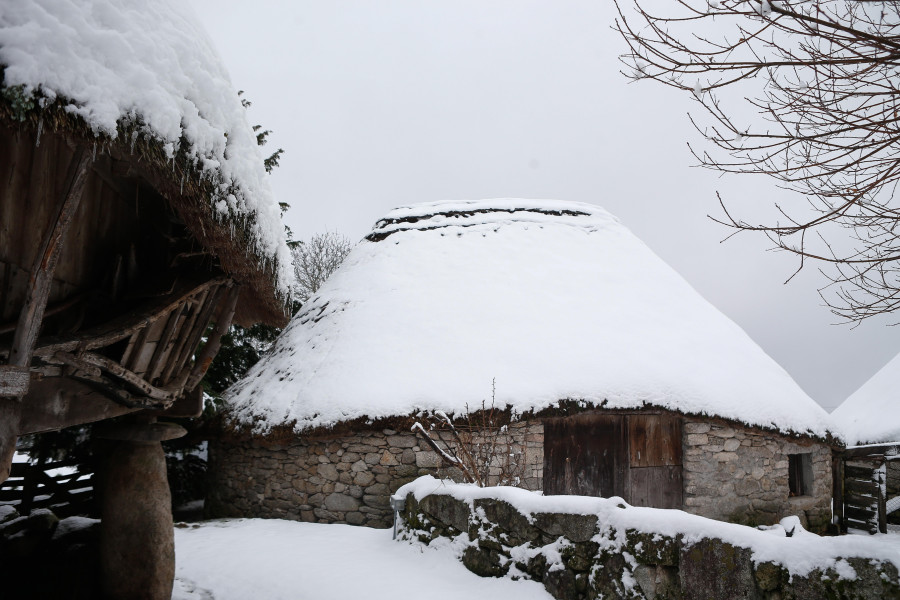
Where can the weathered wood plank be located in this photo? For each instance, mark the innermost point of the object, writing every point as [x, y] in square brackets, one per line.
[654, 440]
[585, 455]
[127, 324]
[223, 324]
[656, 487]
[856, 472]
[88, 361]
[164, 345]
[837, 481]
[74, 403]
[858, 486]
[879, 450]
[176, 362]
[42, 272]
[193, 340]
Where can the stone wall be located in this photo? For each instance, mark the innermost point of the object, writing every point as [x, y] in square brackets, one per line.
[598, 555]
[738, 474]
[730, 473]
[346, 479]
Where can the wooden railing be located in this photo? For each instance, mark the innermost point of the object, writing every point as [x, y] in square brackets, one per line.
[58, 486]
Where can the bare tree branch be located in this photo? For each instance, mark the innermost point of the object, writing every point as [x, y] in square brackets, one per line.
[822, 77]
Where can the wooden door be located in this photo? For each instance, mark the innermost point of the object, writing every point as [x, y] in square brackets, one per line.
[654, 453]
[585, 455]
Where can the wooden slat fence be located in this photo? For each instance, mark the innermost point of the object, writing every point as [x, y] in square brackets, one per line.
[861, 487]
[58, 486]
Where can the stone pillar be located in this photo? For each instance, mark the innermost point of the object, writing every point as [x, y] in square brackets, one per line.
[137, 539]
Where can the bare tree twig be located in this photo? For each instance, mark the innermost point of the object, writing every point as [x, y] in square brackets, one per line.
[823, 77]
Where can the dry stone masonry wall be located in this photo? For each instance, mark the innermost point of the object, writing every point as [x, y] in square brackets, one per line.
[738, 474]
[580, 556]
[346, 479]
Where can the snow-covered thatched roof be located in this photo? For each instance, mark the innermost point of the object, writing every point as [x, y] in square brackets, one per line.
[141, 79]
[552, 300]
[871, 415]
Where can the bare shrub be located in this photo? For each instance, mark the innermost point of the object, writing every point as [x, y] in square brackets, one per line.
[479, 444]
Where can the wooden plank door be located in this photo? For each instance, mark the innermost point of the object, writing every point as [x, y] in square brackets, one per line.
[585, 455]
[655, 457]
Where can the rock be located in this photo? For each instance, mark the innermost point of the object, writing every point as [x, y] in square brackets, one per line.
[388, 459]
[508, 519]
[484, 562]
[715, 570]
[428, 460]
[401, 441]
[575, 528]
[408, 457]
[653, 549]
[658, 582]
[328, 471]
[448, 510]
[341, 503]
[356, 518]
[768, 576]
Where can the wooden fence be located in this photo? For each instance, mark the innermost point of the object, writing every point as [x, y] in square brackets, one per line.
[861, 487]
[58, 486]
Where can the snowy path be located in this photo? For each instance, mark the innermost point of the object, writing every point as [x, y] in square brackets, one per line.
[273, 559]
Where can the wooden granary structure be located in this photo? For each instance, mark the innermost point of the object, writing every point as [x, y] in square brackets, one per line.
[123, 245]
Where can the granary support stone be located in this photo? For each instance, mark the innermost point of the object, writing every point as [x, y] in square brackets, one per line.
[137, 539]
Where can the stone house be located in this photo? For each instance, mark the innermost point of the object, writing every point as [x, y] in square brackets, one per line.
[619, 378]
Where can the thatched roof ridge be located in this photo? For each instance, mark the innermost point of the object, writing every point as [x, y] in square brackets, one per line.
[547, 299]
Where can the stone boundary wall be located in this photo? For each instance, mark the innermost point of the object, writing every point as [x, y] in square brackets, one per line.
[740, 475]
[577, 557]
[345, 479]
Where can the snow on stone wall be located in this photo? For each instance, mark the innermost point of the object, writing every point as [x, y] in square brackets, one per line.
[583, 547]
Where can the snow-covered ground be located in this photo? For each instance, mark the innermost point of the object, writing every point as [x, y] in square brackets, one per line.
[275, 559]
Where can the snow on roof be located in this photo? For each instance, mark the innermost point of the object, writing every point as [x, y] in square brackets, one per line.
[553, 300]
[112, 62]
[869, 415]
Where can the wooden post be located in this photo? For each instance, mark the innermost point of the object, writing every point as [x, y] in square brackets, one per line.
[882, 496]
[837, 471]
[45, 264]
[32, 313]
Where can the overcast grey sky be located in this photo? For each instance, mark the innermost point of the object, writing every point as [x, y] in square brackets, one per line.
[379, 103]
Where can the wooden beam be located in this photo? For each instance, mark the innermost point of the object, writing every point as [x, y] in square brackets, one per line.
[837, 466]
[214, 342]
[57, 403]
[126, 325]
[41, 277]
[872, 451]
[204, 316]
[132, 379]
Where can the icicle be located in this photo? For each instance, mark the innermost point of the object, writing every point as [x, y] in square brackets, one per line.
[94, 155]
[37, 140]
[181, 192]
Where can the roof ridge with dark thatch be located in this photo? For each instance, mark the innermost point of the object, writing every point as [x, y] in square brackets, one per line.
[142, 82]
[552, 300]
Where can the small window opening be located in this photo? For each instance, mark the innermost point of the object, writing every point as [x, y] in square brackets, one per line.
[800, 475]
